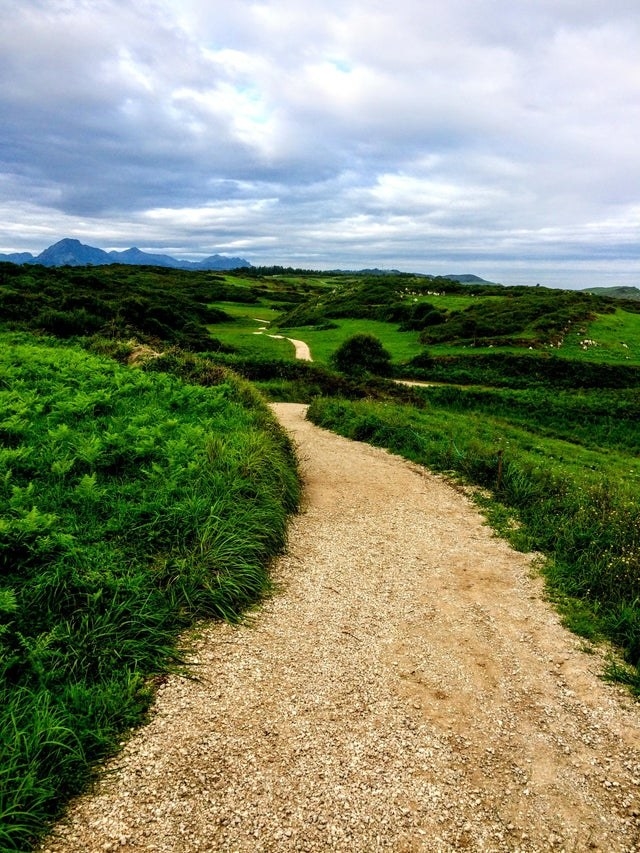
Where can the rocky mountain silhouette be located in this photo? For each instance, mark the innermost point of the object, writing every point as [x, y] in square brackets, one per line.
[73, 253]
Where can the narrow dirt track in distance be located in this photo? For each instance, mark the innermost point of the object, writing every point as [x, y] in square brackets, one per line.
[407, 689]
[301, 348]
[302, 351]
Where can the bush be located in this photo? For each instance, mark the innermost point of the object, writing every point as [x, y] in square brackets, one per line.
[362, 354]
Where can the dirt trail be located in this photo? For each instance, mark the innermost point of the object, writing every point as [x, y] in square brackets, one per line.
[406, 690]
[302, 350]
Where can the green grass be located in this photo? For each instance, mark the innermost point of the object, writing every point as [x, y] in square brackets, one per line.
[324, 342]
[452, 302]
[244, 340]
[241, 334]
[116, 301]
[131, 504]
[576, 504]
[603, 421]
[610, 331]
[610, 338]
[606, 339]
[247, 314]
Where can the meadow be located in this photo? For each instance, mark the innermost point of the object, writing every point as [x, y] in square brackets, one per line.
[136, 500]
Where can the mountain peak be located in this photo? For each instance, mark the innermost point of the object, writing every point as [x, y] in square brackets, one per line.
[66, 242]
[73, 253]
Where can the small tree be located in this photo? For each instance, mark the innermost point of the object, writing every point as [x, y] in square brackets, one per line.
[360, 354]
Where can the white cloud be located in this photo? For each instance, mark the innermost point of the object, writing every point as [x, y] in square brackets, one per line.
[345, 132]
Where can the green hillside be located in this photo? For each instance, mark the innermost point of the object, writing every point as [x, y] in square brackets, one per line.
[616, 292]
[144, 482]
[134, 500]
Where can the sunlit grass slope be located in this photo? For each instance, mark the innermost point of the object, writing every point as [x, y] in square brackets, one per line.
[131, 504]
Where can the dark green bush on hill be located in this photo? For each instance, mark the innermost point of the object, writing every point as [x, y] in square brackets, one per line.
[421, 315]
[361, 354]
[386, 298]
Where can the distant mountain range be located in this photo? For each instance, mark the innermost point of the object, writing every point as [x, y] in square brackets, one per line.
[73, 253]
[465, 278]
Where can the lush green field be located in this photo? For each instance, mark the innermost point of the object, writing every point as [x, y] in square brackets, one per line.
[250, 332]
[135, 500]
[613, 338]
[131, 504]
[475, 321]
[451, 301]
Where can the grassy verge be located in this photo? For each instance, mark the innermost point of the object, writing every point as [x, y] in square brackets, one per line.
[575, 504]
[131, 504]
[287, 380]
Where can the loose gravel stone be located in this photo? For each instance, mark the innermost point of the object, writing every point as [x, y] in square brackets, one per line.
[407, 689]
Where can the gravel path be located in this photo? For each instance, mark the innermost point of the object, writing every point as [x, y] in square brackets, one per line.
[407, 689]
[302, 350]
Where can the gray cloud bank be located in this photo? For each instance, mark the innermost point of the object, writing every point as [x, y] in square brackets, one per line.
[492, 136]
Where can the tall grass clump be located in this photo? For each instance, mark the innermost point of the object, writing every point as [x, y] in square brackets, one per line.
[575, 503]
[131, 504]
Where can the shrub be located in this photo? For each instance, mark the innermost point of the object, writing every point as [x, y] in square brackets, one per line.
[360, 354]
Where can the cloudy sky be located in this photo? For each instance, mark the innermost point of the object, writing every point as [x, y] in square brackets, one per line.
[500, 137]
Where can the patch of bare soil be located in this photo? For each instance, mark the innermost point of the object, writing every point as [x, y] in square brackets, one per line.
[407, 689]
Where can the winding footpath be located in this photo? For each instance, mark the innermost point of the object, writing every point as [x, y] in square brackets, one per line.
[301, 348]
[406, 689]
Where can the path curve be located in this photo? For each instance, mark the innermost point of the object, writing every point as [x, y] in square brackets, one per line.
[406, 690]
[302, 349]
